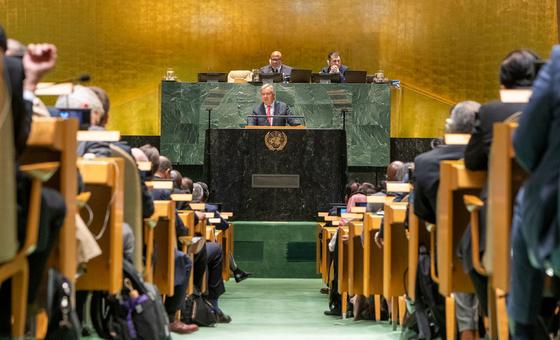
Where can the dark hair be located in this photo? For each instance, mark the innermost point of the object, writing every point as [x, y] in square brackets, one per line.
[177, 179]
[333, 54]
[3, 40]
[153, 155]
[518, 69]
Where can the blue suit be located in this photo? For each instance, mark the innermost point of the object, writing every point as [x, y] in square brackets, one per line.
[535, 228]
[342, 69]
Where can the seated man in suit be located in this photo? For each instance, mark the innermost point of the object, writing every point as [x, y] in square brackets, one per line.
[335, 65]
[517, 70]
[271, 110]
[426, 184]
[275, 66]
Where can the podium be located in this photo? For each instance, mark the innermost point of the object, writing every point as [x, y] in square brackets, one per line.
[275, 174]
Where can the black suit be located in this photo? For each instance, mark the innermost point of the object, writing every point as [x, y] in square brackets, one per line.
[476, 153]
[53, 209]
[476, 159]
[281, 116]
[426, 173]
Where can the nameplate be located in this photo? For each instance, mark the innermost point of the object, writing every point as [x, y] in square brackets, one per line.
[144, 165]
[515, 96]
[226, 214]
[181, 197]
[198, 206]
[457, 138]
[358, 210]
[323, 214]
[277, 181]
[335, 223]
[377, 199]
[54, 89]
[351, 215]
[214, 220]
[398, 187]
[98, 136]
[209, 215]
[332, 218]
[163, 185]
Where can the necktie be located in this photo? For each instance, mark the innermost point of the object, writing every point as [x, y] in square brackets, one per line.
[268, 116]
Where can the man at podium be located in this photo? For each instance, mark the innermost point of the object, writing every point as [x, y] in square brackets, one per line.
[271, 112]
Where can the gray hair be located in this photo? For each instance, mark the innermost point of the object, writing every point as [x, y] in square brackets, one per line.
[268, 86]
[197, 193]
[462, 118]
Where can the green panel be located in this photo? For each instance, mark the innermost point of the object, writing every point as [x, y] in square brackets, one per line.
[287, 249]
[249, 250]
[300, 252]
[184, 115]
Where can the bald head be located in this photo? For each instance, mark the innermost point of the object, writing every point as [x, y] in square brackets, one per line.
[393, 170]
[275, 59]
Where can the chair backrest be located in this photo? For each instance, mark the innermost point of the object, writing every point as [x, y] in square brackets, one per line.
[8, 233]
[240, 76]
[132, 202]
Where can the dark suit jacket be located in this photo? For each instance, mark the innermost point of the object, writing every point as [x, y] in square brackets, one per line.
[537, 148]
[476, 159]
[342, 69]
[280, 109]
[22, 110]
[284, 69]
[478, 149]
[426, 173]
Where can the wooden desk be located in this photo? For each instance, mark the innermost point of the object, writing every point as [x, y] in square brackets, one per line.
[417, 234]
[355, 258]
[103, 177]
[505, 179]
[395, 249]
[54, 139]
[164, 246]
[452, 219]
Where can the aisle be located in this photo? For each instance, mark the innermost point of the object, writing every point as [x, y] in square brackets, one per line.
[289, 309]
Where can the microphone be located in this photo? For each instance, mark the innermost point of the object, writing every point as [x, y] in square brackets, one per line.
[82, 78]
[58, 88]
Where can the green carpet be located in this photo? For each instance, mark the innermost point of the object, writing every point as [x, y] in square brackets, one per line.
[285, 309]
[276, 249]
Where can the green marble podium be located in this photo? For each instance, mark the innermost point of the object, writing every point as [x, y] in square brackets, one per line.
[185, 106]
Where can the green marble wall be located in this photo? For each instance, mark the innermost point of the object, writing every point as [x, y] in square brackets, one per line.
[184, 116]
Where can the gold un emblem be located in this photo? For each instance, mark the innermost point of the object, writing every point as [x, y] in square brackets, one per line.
[275, 140]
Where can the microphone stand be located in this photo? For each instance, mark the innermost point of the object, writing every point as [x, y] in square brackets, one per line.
[343, 111]
[209, 117]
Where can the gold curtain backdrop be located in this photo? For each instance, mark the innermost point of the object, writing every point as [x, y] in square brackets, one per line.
[443, 51]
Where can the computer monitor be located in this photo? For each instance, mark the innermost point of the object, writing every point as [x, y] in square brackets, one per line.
[300, 76]
[355, 76]
[268, 78]
[212, 77]
[83, 115]
[325, 78]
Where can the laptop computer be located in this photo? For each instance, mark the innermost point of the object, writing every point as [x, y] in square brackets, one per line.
[300, 76]
[355, 76]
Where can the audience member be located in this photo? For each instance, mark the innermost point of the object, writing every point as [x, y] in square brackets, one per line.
[517, 70]
[200, 195]
[535, 229]
[426, 184]
[25, 74]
